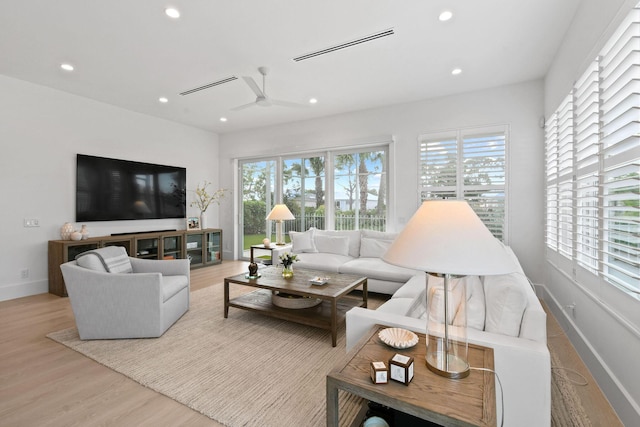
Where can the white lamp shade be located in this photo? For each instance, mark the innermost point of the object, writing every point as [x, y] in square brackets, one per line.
[280, 212]
[446, 236]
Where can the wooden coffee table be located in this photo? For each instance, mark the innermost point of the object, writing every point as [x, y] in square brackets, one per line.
[335, 297]
[470, 401]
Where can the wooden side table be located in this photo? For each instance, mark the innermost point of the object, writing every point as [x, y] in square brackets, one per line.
[469, 401]
[271, 249]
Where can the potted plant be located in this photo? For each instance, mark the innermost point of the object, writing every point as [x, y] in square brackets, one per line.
[287, 259]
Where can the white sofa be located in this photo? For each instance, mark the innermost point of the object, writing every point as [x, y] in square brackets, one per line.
[352, 252]
[514, 326]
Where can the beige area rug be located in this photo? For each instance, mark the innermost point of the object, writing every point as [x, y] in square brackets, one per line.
[247, 370]
[251, 370]
[566, 408]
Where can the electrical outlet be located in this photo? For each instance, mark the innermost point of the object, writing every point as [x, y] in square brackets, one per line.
[31, 222]
[25, 273]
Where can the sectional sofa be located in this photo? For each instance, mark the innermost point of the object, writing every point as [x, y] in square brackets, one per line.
[352, 252]
[504, 313]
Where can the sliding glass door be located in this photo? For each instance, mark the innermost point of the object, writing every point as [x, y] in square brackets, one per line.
[258, 197]
[341, 190]
[304, 192]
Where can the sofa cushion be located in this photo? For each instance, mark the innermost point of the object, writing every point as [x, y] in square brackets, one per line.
[321, 261]
[505, 302]
[171, 285]
[338, 245]
[373, 248]
[353, 235]
[302, 241]
[375, 268]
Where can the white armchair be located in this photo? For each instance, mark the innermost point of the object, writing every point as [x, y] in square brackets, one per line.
[141, 302]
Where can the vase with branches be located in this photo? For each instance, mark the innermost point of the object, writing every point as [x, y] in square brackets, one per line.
[203, 199]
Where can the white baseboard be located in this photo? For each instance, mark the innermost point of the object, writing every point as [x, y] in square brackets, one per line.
[19, 290]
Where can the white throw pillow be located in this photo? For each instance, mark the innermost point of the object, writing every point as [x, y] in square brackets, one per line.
[332, 245]
[505, 304]
[475, 302]
[436, 300]
[352, 235]
[373, 248]
[302, 241]
[380, 235]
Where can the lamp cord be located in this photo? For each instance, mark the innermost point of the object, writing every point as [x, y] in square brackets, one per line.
[501, 390]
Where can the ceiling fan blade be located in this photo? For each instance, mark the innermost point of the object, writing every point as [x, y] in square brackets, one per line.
[242, 107]
[254, 86]
[287, 103]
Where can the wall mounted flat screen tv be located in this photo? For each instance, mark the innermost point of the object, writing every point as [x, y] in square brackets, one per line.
[112, 190]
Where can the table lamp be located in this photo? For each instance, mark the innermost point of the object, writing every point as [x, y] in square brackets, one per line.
[445, 238]
[278, 214]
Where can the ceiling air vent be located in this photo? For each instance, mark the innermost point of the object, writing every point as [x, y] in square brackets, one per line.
[208, 85]
[372, 37]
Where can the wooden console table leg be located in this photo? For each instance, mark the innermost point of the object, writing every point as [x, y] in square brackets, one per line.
[332, 404]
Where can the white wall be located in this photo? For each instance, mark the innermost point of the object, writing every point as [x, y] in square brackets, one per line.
[604, 326]
[41, 131]
[520, 106]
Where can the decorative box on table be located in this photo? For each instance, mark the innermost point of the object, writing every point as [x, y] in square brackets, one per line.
[401, 368]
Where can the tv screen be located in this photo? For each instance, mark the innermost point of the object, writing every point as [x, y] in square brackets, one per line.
[112, 189]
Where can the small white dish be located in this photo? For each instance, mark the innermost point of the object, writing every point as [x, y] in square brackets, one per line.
[398, 338]
[319, 280]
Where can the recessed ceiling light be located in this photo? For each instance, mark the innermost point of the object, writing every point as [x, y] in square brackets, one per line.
[66, 67]
[223, 119]
[456, 71]
[445, 15]
[313, 101]
[163, 100]
[172, 13]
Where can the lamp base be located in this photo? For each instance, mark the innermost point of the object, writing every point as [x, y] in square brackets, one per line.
[455, 367]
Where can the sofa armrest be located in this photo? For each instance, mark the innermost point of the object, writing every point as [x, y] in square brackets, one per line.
[170, 267]
[524, 369]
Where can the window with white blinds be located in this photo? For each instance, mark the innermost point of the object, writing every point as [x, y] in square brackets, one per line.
[467, 164]
[593, 164]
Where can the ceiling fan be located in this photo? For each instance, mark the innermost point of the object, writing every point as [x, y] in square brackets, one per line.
[262, 99]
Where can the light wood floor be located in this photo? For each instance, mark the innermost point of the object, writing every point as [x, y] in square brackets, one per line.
[43, 383]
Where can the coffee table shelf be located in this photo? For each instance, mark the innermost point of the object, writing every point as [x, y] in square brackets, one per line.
[335, 297]
[318, 316]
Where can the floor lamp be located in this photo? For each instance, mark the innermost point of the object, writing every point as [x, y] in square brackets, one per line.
[278, 214]
[445, 238]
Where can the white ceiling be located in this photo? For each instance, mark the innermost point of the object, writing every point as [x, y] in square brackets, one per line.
[129, 53]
